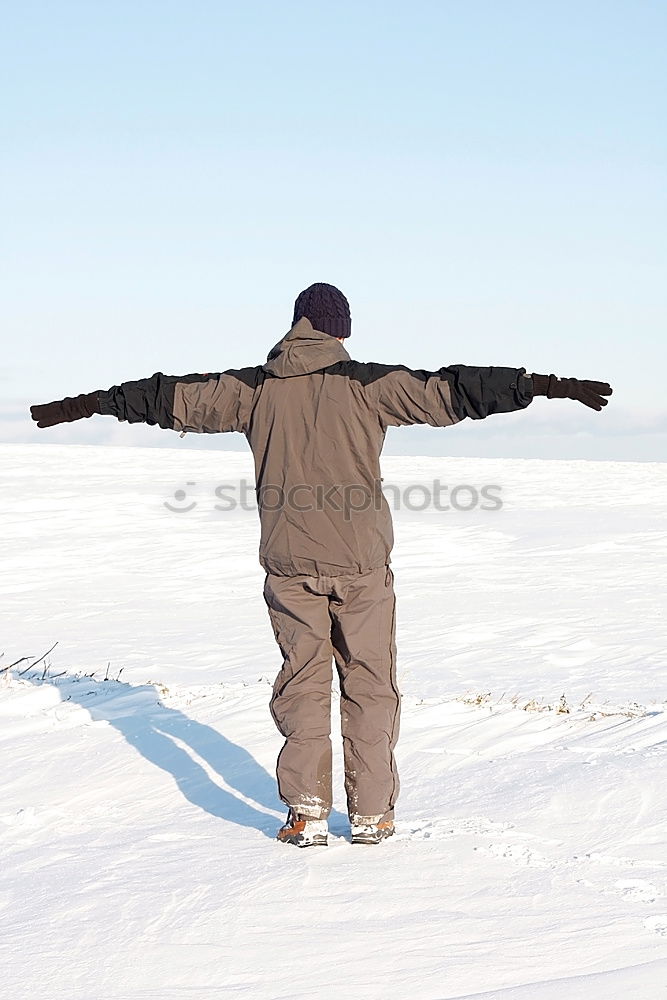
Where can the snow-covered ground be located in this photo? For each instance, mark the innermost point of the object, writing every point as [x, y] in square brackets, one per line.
[137, 798]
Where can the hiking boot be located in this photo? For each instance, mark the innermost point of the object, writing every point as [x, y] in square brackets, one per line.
[372, 833]
[301, 831]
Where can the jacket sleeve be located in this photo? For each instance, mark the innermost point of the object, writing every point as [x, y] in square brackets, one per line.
[203, 404]
[444, 397]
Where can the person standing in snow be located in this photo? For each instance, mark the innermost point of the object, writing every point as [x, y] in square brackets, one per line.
[316, 422]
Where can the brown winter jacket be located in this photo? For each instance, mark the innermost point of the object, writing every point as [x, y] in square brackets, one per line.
[316, 421]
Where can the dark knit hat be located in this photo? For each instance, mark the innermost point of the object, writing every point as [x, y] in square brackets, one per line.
[327, 309]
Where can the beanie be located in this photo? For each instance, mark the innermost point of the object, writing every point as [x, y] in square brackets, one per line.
[326, 307]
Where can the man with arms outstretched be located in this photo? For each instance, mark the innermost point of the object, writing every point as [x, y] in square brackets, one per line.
[316, 422]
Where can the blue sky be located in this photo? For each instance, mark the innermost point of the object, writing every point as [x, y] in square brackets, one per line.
[486, 182]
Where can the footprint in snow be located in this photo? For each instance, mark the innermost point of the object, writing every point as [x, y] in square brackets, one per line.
[443, 829]
[657, 924]
[518, 853]
[23, 817]
[637, 889]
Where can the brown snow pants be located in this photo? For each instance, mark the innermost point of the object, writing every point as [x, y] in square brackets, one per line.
[351, 618]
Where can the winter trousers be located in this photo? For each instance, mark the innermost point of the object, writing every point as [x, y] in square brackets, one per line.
[352, 619]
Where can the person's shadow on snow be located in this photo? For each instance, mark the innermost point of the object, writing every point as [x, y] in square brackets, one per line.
[171, 741]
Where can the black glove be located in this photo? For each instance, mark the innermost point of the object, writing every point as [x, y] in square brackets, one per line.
[63, 411]
[589, 393]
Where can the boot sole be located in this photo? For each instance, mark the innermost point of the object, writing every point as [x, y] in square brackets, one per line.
[371, 840]
[298, 841]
